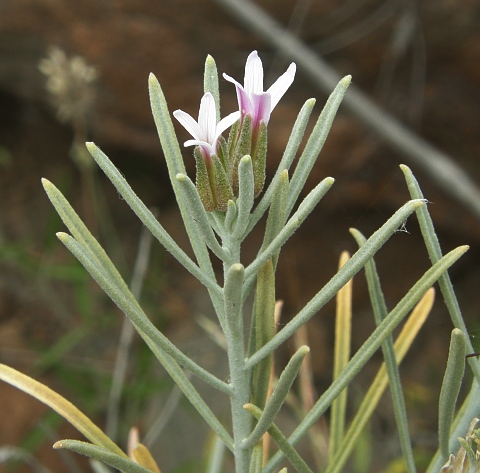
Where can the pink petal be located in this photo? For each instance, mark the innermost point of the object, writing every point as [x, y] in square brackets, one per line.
[262, 107]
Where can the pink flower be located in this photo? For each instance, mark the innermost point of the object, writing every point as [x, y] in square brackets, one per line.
[251, 97]
[206, 131]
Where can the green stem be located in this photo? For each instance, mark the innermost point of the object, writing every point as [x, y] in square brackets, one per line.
[239, 376]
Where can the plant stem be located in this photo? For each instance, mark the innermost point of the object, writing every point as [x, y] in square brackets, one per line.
[239, 375]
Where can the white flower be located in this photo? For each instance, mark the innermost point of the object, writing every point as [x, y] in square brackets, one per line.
[206, 131]
[251, 97]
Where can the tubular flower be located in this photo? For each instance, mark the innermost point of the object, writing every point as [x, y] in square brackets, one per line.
[251, 97]
[249, 135]
[212, 182]
[206, 131]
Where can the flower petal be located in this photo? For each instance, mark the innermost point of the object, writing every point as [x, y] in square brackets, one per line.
[207, 117]
[281, 85]
[189, 123]
[262, 107]
[244, 103]
[253, 81]
[226, 122]
[206, 146]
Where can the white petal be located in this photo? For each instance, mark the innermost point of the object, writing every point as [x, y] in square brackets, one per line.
[189, 123]
[207, 117]
[232, 80]
[204, 144]
[281, 85]
[226, 122]
[253, 81]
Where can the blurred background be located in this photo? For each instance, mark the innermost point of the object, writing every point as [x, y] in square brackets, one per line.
[418, 61]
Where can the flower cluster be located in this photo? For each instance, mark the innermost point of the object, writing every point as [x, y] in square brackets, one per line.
[216, 159]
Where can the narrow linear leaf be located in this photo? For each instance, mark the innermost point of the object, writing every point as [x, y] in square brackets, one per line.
[60, 405]
[198, 214]
[409, 331]
[291, 149]
[435, 253]
[231, 216]
[132, 309]
[142, 455]
[191, 393]
[233, 296]
[277, 399]
[304, 210]
[210, 83]
[285, 447]
[101, 454]
[370, 346]
[468, 410]
[246, 184]
[343, 330]
[316, 141]
[264, 320]
[356, 262]
[452, 382]
[175, 165]
[148, 219]
[380, 311]
[256, 460]
[80, 231]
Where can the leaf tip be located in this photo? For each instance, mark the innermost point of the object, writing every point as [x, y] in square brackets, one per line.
[180, 177]
[304, 350]
[46, 183]
[91, 146]
[62, 236]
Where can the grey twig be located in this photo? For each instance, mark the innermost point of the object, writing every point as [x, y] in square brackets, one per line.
[439, 166]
